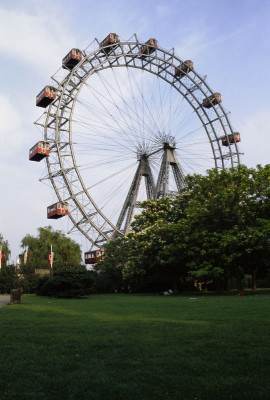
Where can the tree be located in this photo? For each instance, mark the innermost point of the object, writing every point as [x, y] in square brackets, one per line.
[217, 228]
[66, 251]
[228, 214]
[142, 254]
[8, 276]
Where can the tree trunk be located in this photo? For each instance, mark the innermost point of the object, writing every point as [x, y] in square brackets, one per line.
[254, 283]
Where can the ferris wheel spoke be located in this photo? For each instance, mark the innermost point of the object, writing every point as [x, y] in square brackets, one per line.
[133, 113]
[112, 102]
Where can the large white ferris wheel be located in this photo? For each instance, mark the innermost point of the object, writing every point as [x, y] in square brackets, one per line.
[126, 121]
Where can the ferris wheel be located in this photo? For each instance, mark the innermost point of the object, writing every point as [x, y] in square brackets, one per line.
[126, 121]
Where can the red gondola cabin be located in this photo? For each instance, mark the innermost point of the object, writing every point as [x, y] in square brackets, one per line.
[183, 69]
[111, 40]
[46, 96]
[148, 47]
[72, 59]
[212, 100]
[92, 257]
[57, 210]
[232, 138]
[39, 151]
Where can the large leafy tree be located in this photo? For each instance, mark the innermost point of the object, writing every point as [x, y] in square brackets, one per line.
[218, 228]
[229, 216]
[145, 261]
[8, 276]
[66, 251]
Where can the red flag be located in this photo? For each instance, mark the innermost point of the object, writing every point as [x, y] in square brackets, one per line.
[2, 256]
[50, 258]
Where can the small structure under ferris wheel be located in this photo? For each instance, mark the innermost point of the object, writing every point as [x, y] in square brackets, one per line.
[93, 256]
[39, 151]
[57, 210]
[212, 100]
[72, 59]
[231, 139]
[111, 40]
[46, 96]
[183, 69]
[149, 47]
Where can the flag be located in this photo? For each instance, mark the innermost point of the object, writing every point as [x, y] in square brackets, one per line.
[25, 257]
[50, 258]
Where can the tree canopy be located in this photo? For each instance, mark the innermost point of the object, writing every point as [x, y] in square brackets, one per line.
[217, 228]
[66, 251]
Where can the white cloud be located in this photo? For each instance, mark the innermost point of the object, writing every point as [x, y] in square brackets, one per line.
[255, 133]
[10, 123]
[8, 115]
[35, 39]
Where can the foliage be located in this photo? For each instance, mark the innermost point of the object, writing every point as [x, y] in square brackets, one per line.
[217, 229]
[67, 282]
[8, 279]
[28, 279]
[66, 251]
[229, 216]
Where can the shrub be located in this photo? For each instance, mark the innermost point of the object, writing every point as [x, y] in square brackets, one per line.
[68, 282]
[8, 278]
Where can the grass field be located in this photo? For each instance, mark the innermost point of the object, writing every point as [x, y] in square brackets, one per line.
[136, 347]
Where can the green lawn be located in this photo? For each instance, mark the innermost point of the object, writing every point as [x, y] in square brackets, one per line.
[136, 347]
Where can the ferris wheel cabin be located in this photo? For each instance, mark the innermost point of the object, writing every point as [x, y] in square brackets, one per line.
[46, 96]
[92, 257]
[231, 139]
[72, 59]
[111, 40]
[57, 210]
[39, 151]
[212, 100]
[149, 47]
[183, 69]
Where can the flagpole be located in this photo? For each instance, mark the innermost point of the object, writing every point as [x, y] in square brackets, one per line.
[51, 261]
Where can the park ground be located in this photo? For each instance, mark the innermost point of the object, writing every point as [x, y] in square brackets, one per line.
[138, 347]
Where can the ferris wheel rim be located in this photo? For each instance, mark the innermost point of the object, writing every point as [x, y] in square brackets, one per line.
[60, 116]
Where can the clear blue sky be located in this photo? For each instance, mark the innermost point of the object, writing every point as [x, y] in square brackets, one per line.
[227, 40]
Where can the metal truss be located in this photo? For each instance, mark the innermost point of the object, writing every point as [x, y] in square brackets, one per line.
[130, 203]
[169, 159]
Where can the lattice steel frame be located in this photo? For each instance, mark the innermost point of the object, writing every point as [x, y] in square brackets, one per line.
[63, 171]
